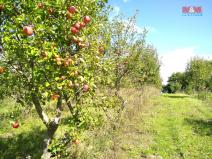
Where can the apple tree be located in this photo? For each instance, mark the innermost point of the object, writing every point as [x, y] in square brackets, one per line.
[50, 52]
[123, 52]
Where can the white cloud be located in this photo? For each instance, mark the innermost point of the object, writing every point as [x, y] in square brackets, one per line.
[176, 60]
[125, 1]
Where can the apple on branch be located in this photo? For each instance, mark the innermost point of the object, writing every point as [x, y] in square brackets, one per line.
[55, 96]
[50, 10]
[77, 25]
[82, 24]
[28, 30]
[86, 19]
[74, 30]
[85, 88]
[40, 5]
[72, 9]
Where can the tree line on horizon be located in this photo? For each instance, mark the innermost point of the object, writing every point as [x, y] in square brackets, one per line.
[196, 78]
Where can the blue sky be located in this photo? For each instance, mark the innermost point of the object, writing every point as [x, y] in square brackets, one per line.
[176, 37]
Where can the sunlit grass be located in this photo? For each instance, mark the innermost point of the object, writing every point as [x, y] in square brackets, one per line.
[167, 125]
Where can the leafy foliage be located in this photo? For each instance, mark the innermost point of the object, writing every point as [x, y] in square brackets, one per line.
[196, 78]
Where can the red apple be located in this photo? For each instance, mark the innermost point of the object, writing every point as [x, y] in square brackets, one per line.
[74, 30]
[72, 9]
[55, 96]
[85, 88]
[27, 30]
[40, 5]
[82, 24]
[15, 125]
[67, 63]
[70, 60]
[86, 19]
[50, 10]
[77, 25]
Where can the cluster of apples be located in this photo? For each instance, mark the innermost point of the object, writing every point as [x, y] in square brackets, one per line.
[78, 25]
[41, 6]
[78, 41]
[66, 61]
[85, 87]
[28, 30]
[2, 70]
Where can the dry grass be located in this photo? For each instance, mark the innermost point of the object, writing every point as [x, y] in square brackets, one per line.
[117, 139]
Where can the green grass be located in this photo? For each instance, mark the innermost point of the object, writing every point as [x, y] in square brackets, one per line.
[180, 127]
[24, 141]
[174, 126]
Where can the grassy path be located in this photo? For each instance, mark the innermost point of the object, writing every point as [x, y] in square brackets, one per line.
[170, 126]
[178, 127]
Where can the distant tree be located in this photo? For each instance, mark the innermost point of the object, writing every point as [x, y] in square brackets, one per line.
[150, 72]
[196, 78]
[176, 83]
[198, 74]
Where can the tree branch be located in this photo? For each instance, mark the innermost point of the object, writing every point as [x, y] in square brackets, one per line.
[39, 109]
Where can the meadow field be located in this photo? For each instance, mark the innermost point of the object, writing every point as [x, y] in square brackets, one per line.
[171, 126]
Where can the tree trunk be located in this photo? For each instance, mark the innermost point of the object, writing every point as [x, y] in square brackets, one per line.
[46, 154]
[51, 125]
[47, 141]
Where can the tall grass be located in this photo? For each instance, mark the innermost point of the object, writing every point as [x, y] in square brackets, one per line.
[111, 140]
